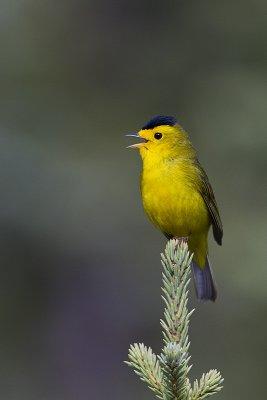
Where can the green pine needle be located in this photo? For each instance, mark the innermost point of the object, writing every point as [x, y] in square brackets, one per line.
[167, 374]
[147, 367]
[210, 383]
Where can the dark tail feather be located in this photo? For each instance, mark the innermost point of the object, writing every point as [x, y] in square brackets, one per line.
[204, 282]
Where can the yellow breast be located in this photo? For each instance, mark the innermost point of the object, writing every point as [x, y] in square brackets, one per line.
[171, 198]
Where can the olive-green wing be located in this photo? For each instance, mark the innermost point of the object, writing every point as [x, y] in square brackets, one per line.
[208, 197]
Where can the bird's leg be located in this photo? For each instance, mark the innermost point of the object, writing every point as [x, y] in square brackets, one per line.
[181, 240]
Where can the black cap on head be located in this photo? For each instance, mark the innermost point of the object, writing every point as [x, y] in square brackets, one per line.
[160, 120]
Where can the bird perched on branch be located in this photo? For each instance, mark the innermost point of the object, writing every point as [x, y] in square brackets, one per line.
[177, 195]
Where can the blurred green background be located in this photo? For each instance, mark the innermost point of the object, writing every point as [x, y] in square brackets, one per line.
[80, 269]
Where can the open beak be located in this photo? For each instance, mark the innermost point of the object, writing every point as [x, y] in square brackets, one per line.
[136, 145]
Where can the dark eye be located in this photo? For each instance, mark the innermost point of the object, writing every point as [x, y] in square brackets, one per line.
[158, 135]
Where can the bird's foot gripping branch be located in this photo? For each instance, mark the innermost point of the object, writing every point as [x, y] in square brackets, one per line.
[167, 374]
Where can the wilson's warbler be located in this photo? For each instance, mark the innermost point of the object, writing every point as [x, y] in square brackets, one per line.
[177, 195]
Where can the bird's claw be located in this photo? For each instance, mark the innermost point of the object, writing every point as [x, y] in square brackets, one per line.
[183, 239]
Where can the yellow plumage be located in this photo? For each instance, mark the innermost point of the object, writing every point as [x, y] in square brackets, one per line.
[176, 194]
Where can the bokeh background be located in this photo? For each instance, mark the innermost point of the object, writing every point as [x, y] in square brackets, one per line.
[79, 263]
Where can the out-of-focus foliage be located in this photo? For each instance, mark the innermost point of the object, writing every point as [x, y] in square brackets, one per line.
[79, 261]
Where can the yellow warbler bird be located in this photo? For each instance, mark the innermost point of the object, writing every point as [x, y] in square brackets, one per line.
[177, 195]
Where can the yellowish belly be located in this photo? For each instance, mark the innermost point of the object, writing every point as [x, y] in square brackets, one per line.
[175, 207]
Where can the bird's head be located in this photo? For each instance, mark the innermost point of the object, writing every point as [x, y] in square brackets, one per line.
[161, 137]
